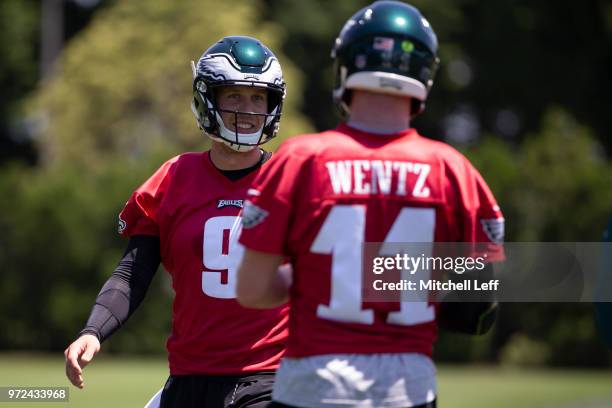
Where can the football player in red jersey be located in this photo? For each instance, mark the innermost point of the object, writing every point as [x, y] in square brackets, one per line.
[372, 179]
[186, 216]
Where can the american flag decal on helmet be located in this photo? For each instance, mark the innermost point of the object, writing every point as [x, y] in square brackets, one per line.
[494, 228]
[383, 43]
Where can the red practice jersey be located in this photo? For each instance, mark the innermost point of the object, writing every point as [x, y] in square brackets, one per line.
[323, 195]
[194, 210]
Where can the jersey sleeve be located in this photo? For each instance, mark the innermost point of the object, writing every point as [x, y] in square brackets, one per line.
[139, 215]
[267, 213]
[481, 220]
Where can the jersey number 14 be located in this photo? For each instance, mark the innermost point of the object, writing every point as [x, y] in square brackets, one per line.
[342, 235]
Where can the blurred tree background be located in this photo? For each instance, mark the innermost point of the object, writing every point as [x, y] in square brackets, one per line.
[96, 96]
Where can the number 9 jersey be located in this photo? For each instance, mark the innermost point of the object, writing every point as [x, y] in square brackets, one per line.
[323, 195]
[194, 210]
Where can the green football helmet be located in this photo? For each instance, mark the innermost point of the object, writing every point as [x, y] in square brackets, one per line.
[237, 61]
[386, 47]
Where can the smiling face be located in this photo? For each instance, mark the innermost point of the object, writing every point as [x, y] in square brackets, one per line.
[242, 99]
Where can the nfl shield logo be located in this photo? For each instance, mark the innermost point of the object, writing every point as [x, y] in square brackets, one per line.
[494, 229]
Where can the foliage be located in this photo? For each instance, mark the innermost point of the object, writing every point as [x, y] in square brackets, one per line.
[125, 84]
[17, 70]
[554, 187]
[499, 60]
[58, 246]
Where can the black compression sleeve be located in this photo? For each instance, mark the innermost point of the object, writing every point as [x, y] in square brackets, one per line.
[470, 317]
[126, 288]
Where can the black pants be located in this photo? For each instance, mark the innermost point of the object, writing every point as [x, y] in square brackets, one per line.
[191, 391]
[275, 404]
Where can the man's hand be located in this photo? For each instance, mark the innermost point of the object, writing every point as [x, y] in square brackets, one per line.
[78, 355]
[261, 283]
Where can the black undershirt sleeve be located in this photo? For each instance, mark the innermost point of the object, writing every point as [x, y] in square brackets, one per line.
[126, 288]
[470, 317]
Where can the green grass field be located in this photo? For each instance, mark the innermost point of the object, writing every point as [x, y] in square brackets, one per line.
[119, 382]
